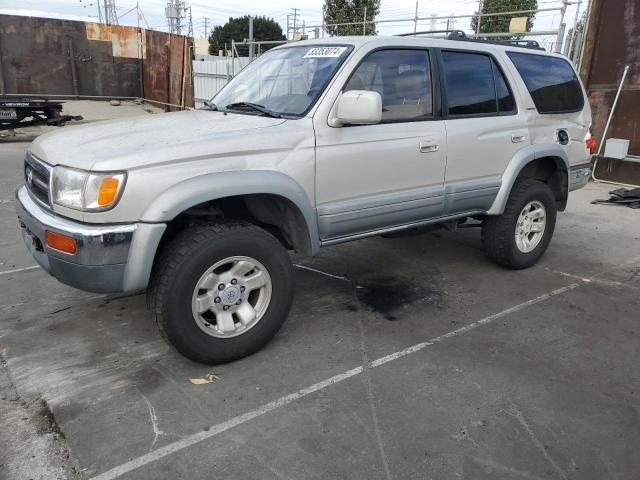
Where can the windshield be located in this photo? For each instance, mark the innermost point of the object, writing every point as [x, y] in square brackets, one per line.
[284, 81]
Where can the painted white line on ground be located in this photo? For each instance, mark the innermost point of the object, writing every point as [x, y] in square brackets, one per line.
[610, 283]
[18, 270]
[280, 402]
[303, 267]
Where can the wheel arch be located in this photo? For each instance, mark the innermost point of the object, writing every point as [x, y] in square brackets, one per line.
[266, 194]
[545, 162]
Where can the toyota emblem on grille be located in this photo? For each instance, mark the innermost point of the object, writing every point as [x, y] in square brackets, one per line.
[30, 177]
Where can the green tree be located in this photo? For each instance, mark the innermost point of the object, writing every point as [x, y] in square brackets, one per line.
[237, 29]
[350, 11]
[500, 23]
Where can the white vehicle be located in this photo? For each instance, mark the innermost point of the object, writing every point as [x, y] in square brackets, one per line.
[313, 144]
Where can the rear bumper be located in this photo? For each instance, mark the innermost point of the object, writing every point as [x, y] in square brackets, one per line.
[109, 258]
[579, 176]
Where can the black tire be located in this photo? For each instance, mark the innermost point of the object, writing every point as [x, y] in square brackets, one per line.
[181, 264]
[498, 232]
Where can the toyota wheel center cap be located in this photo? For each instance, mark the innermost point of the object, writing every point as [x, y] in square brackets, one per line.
[230, 295]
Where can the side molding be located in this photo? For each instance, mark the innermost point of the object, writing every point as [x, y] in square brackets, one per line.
[517, 163]
[204, 188]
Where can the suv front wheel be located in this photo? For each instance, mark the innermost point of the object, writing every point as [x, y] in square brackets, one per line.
[220, 292]
[518, 238]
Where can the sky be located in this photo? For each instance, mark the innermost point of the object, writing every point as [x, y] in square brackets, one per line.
[218, 11]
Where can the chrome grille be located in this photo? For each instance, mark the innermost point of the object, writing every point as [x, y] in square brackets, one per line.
[37, 175]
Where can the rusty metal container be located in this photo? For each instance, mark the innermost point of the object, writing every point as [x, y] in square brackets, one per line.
[613, 41]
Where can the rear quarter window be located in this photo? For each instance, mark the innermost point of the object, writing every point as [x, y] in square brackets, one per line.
[551, 81]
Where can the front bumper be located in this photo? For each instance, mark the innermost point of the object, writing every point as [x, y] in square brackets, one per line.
[579, 176]
[109, 258]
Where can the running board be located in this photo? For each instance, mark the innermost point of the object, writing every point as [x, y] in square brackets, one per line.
[382, 231]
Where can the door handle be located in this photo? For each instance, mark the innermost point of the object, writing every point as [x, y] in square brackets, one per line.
[517, 138]
[428, 147]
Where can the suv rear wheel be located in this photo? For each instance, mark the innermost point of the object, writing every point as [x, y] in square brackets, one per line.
[518, 238]
[221, 292]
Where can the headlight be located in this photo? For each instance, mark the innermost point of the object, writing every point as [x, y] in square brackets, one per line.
[87, 191]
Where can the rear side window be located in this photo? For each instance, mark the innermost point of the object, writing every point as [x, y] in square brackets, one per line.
[551, 81]
[475, 85]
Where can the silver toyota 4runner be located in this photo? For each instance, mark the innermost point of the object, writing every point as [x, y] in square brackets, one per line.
[315, 143]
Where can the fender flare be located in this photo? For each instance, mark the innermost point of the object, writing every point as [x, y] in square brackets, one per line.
[517, 164]
[204, 188]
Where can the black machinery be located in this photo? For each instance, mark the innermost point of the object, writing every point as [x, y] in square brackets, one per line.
[21, 112]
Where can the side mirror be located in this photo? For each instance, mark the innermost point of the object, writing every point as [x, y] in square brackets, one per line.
[359, 107]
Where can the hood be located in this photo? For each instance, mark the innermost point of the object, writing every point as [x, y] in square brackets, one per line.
[149, 140]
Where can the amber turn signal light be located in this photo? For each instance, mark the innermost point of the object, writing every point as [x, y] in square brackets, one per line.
[108, 191]
[60, 242]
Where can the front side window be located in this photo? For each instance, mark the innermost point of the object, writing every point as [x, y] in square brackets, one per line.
[475, 85]
[551, 81]
[284, 81]
[403, 80]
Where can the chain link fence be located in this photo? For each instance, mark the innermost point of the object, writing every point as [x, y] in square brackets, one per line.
[212, 75]
[551, 39]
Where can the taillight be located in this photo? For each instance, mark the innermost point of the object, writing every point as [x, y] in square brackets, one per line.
[592, 145]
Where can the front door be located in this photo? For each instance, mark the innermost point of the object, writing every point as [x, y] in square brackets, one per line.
[372, 177]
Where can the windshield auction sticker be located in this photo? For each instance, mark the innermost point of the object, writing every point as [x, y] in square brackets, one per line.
[324, 52]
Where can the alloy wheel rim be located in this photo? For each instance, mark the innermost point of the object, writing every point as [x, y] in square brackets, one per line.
[530, 226]
[231, 297]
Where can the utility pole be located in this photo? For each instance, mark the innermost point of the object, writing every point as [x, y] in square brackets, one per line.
[295, 19]
[451, 22]
[480, 3]
[251, 50]
[364, 22]
[432, 21]
[190, 34]
[206, 27]
[175, 12]
[415, 20]
[110, 13]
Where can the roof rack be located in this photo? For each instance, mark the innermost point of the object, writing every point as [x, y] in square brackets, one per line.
[452, 34]
[521, 43]
[461, 36]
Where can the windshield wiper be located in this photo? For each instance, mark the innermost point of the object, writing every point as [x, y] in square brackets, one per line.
[210, 105]
[253, 106]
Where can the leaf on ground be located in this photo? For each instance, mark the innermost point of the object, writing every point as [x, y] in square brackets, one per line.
[208, 378]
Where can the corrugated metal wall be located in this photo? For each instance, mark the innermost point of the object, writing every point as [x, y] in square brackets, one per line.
[62, 57]
[211, 74]
[613, 41]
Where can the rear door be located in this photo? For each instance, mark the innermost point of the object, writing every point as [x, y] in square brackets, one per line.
[371, 177]
[485, 128]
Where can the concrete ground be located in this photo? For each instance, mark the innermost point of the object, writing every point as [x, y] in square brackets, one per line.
[89, 110]
[416, 358]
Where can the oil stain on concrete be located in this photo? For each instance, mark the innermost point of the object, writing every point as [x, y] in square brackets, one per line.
[393, 298]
